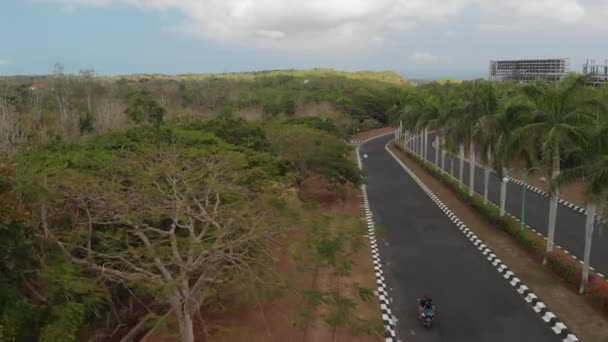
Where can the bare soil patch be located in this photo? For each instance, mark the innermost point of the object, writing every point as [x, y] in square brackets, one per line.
[322, 110]
[277, 319]
[573, 309]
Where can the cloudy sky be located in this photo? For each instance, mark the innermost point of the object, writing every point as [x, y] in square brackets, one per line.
[418, 38]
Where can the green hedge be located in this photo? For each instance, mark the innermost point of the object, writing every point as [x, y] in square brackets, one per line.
[560, 263]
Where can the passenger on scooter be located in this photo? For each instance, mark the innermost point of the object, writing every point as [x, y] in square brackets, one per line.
[426, 303]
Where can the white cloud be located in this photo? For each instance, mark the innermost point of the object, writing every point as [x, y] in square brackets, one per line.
[3, 62]
[525, 15]
[559, 11]
[424, 57]
[340, 25]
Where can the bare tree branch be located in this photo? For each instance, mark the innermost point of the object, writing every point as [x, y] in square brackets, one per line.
[187, 238]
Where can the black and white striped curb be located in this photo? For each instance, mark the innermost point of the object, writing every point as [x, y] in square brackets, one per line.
[389, 321]
[517, 219]
[538, 191]
[561, 201]
[361, 142]
[544, 193]
[538, 306]
[353, 142]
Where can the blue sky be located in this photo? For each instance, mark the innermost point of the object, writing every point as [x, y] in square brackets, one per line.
[418, 38]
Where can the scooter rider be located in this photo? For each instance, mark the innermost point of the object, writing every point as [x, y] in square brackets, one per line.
[426, 303]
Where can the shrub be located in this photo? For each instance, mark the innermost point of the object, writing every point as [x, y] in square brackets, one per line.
[326, 125]
[369, 124]
[565, 267]
[143, 108]
[66, 321]
[236, 131]
[310, 151]
[598, 293]
[533, 242]
[21, 321]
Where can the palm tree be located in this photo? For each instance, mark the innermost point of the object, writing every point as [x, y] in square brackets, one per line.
[557, 122]
[494, 131]
[594, 172]
[425, 122]
[431, 110]
[486, 140]
[455, 132]
[456, 136]
[438, 111]
[481, 100]
[410, 116]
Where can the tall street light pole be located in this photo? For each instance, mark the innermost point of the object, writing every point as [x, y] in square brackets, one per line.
[525, 171]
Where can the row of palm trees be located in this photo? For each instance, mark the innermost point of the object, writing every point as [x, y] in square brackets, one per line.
[547, 125]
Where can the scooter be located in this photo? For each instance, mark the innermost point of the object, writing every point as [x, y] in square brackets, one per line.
[426, 315]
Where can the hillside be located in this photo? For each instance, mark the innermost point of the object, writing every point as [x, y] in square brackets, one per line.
[383, 76]
[74, 106]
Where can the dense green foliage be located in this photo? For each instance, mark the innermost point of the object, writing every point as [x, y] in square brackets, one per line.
[72, 106]
[314, 122]
[88, 161]
[35, 300]
[541, 124]
[143, 108]
[46, 296]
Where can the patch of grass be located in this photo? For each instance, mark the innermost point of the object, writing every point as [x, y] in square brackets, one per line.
[328, 251]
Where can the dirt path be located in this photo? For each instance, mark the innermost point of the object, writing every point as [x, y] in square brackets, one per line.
[277, 320]
[581, 318]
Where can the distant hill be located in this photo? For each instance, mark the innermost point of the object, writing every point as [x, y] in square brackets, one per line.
[448, 80]
[383, 76]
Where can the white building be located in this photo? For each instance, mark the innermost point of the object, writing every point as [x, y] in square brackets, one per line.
[529, 70]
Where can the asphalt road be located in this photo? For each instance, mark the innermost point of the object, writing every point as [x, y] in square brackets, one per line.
[570, 224]
[426, 253]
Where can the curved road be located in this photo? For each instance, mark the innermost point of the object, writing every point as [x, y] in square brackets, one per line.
[426, 253]
[570, 224]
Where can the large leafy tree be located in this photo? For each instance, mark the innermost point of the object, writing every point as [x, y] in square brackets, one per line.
[168, 219]
[309, 151]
